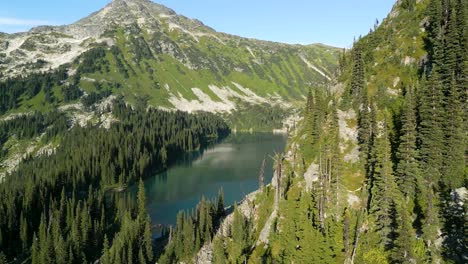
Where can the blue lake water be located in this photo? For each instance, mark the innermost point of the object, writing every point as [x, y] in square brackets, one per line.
[233, 165]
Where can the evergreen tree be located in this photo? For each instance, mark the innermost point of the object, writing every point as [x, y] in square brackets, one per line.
[431, 140]
[35, 251]
[106, 258]
[142, 214]
[3, 259]
[431, 137]
[24, 232]
[219, 255]
[60, 251]
[384, 190]
[147, 241]
[451, 47]
[434, 30]
[405, 241]
[357, 77]
[220, 205]
[407, 167]
[453, 173]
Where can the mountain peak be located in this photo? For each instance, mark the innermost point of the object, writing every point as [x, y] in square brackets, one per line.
[138, 6]
[119, 12]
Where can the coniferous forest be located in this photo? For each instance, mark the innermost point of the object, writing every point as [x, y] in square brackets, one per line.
[66, 207]
[375, 171]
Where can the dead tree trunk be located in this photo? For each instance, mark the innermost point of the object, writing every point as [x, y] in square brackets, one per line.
[261, 177]
[279, 160]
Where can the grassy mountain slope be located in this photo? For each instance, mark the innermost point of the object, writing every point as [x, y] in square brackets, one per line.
[366, 193]
[144, 51]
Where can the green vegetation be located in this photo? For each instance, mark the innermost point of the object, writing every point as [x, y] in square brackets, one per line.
[397, 199]
[193, 231]
[408, 208]
[62, 204]
[258, 118]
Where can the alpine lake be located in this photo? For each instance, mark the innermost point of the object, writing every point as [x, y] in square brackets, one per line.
[232, 165]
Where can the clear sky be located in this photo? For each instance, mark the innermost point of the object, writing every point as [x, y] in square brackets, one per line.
[333, 22]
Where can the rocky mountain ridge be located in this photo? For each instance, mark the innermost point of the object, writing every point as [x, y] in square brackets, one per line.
[144, 51]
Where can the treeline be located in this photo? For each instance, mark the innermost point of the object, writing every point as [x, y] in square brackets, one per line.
[14, 89]
[414, 150]
[75, 178]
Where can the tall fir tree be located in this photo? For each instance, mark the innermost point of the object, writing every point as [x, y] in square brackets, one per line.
[431, 145]
[431, 136]
[407, 166]
[357, 77]
[404, 250]
[384, 189]
[453, 172]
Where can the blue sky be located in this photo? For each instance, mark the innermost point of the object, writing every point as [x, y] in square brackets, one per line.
[333, 22]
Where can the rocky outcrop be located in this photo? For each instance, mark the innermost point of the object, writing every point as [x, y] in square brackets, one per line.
[311, 176]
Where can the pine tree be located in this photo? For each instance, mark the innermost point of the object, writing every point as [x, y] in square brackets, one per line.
[141, 257]
[60, 251]
[239, 234]
[309, 114]
[142, 214]
[365, 128]
[384, 189]
[318, 115]
[105, 259]
[407, 167]
[148, 242]
[455, 144]
[405, 242]
[455, 242]
[451, 46]
[431, 144]
[3, 259]
[219, 255]
[220, 205]
[435, 34]
[35, 251]
[357, 77]
[431, 135]
[130, 254]
[23, 232]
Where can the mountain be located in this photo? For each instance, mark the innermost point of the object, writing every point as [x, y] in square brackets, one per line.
[146, 52]
[377, 171]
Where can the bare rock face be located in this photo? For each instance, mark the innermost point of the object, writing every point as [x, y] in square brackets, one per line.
[311, 175]
[205, 255]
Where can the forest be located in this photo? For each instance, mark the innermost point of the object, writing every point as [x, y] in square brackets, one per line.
[69, 207]
[408, 177]
[412, 158]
